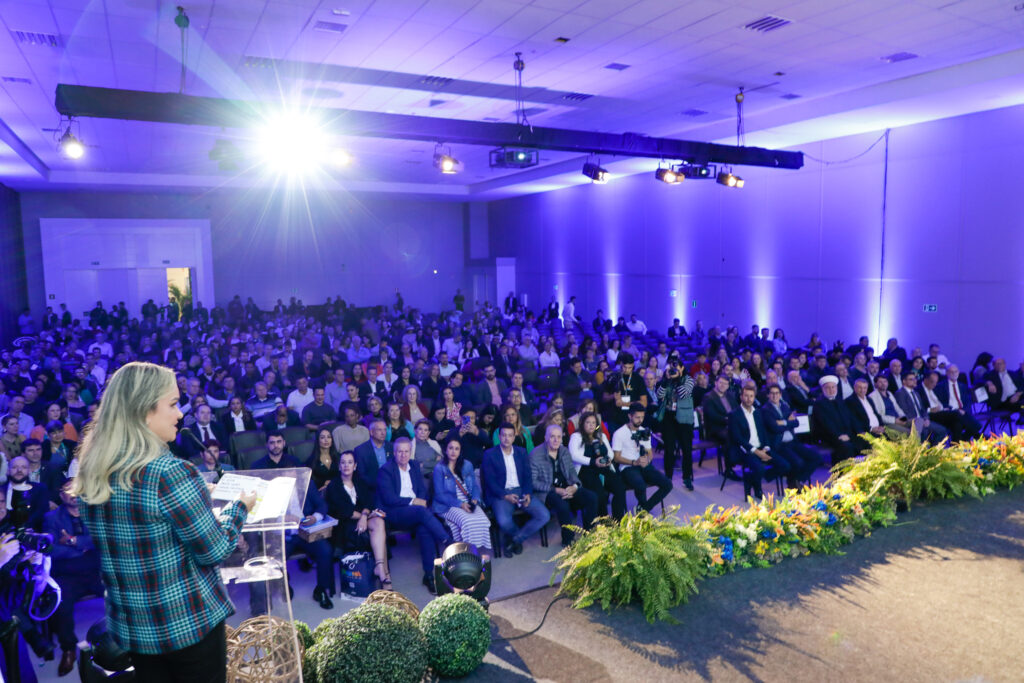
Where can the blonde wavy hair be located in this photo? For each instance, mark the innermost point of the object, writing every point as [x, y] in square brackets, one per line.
[118, 443]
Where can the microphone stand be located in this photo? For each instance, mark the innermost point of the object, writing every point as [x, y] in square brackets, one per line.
[202, 449]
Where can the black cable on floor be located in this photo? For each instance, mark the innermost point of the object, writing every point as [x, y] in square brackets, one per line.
[542, 620]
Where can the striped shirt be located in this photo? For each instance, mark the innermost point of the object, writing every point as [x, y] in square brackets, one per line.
[159, 547]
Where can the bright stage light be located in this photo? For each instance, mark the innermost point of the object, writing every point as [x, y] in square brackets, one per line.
[70, 146]
[294, 143]
[667, 175]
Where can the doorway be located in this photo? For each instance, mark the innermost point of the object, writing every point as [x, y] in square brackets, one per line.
[179, 288]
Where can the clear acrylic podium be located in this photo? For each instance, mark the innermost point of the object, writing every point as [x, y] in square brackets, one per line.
[261, 643]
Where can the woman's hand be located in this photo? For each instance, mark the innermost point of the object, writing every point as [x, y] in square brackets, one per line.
[248, 500]
[465, 506]
[361, 524]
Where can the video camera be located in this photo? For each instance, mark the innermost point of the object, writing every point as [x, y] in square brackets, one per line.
[598, 452]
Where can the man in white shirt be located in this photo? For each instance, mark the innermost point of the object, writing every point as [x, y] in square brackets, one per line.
[937, 411]
[636, 326]
[528, 352]
[351, 434]
[453, 345]
[1004, 394]
[631, 447]
[508, 486]
[863, 410]
[887, 408]
[845, 387]
[569, 313]
[301, 396]
[750, 444]
[444, 366]
[336, 392]
[942, 361]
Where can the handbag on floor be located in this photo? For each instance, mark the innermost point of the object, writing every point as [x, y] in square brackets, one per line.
[357, 576]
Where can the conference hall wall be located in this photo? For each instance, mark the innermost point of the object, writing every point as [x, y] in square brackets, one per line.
[359, 247]
[802, 250]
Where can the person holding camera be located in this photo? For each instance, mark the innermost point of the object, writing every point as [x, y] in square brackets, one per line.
[631, 449]
[621, 391]
[457, 499]
[675, 415]
[556, 482]
[150, 517]
[591, 454]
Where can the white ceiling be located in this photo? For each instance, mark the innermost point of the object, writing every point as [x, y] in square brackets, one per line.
[681, 55]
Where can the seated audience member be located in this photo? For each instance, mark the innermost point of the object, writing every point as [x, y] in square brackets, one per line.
[26, 501]
[360, 526]
[522, 438]
[833, 423]
[204, 429]
[324, 460]
[337, 391]
[865, 414]
[402, 495]
[52, 477]
[751, 444]
[54, 413]
[717, 405]
[318, 411]
[556, 482]
[413, 410]
[1004, 391]
[11, 439]
[780, 420]
[491, 388]
[300, 397]
[282, 417]
[887, 408]
[372, 454]
[910, 402]
[474, 438]
[457, 499]
[953, 393]
[58, 450]
[798, 392]
[351, 433]
[237, 418]
[262, 402]
[426, 451]
[676, 330]
[462, 394]
[842, 373]
[314, 508]
[75, 568]
[508, 486]
[396, 425]
[210, 459]
[632, 452]
[937, 411]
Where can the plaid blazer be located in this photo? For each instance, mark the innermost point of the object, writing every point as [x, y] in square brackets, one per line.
[159, 547]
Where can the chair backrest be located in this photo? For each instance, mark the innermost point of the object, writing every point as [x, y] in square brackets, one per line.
[241, 441]
[249, 456]
[294, 435]
[547, 381]
[301, 451]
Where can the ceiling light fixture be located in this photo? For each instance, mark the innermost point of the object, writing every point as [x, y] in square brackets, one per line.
[667, 175]
[70, 146]
[596, 173]
[444, 161]
[293, 143]
[727, 178]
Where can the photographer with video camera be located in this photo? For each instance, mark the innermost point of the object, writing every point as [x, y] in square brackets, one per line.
[631, 447]
[675, 415]
[591, 454]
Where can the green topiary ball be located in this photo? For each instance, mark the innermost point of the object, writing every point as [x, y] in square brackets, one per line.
[374, 643]
[305, 635]
[458, 634]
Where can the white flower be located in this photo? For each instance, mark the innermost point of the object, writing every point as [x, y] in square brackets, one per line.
[741, 542]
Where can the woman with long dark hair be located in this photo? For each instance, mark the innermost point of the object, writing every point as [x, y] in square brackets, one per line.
[592, 455]
[360, 525]
[324, 460]
[149, 515]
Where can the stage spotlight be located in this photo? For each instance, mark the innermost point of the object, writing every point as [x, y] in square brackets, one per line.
[596, 173]
[293, 143]
[667, 175]
[729, 180]
[70, 146]
[694, 171]
[446, 164]
[462, 570]
[340, 157]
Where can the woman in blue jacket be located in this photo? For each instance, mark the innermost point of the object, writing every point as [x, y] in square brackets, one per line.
[457, 499]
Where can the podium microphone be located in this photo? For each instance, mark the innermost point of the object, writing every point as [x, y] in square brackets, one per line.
[202, 448]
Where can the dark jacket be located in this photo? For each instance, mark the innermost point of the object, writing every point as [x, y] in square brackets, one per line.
[366, 462]
[493, 473]
[862, 422]
[228, 423]
[389, 485]
[739, 434]
[831, 419]
[542, 467]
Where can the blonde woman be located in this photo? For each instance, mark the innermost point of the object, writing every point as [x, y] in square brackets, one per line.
[149, 515]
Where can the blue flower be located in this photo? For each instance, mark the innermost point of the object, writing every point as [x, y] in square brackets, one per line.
[820, 506]
[768, 533]
[832, 519]
[836, 497]
[982, 462]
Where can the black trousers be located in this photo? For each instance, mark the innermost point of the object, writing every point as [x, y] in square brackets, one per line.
[204, 662]
[639, 478]
[603, 481]
[677, 437]
[583, 501]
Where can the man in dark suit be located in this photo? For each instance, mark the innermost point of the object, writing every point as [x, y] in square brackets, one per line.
[508, 486]
[371, 455]
[938, 411]
[402, 494]
[833, 422]
[953, 393]
[798, 392]
[780, 420]
[752, 445]
[717, 405]
[865, 416]
[911, 404]
[503, 361]
[893, 351]
[1004, 393]
[573, 383]
[281, 418]
[205, 429]
[29, 500]
[315, 509]
[677, 330]
[51, 477]
[491, 389]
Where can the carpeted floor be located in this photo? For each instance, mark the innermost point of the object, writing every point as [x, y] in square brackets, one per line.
[938, 597]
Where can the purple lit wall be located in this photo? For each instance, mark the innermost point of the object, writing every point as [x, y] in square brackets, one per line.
[361, 248]
[802, 250]
[13, 293]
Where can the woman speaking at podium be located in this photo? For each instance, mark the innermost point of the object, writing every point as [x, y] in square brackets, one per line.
[149, 515]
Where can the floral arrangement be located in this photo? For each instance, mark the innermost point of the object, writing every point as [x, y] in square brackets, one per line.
[609, 563]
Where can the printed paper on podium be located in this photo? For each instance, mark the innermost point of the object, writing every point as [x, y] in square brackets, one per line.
[272, 496]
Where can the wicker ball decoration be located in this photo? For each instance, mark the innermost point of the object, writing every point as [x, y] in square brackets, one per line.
[395, 599]
[261, 650]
